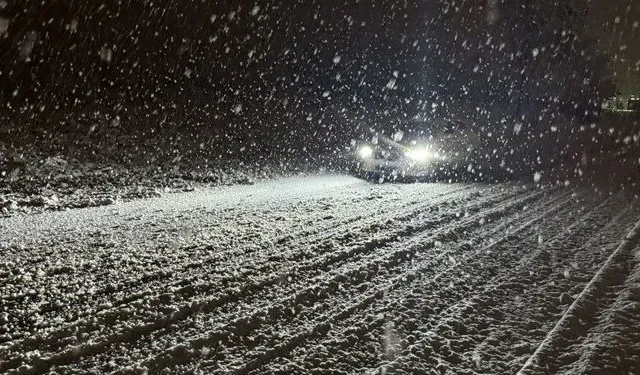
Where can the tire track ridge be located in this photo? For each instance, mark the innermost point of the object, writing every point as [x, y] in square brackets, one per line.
[489, 287]
[393, 257]
[43, 363]
[434, 278]
[397, 281]
[185, 289]
[598, 281]
[164, 273]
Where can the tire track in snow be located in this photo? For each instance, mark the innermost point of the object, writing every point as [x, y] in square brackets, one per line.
[395, 256]
[104, 317]
[176, 350]
[129, 312]
[612, 344]
[404, 280]
[475, 306]
[568, 329]
[356, 330]
[156, 284]
[345, 255]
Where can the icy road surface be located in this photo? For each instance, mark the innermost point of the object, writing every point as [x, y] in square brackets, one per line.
[326, 274]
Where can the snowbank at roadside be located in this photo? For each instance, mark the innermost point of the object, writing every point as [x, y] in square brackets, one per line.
[32, 183]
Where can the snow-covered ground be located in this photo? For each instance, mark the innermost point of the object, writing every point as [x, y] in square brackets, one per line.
[34, 183]
[326, 274]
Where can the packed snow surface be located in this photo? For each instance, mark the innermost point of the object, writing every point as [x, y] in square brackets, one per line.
[326, 274]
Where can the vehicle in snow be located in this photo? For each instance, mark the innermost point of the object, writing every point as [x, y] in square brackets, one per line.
[435, 149]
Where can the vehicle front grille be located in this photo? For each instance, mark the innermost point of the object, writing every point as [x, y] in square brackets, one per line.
[387, 154]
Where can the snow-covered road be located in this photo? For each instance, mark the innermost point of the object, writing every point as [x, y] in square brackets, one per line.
[326, 274]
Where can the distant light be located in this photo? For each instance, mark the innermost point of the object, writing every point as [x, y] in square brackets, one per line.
[365, 152]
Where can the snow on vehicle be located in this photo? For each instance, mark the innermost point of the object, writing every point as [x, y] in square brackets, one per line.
[433, 150]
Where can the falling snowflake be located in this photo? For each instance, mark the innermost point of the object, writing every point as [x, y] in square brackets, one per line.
[537, 177]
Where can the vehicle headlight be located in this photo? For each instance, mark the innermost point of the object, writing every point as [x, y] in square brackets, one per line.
[365, 152]
[418, 154]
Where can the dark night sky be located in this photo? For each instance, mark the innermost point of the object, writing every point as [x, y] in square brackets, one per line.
[307, 59]
[256, 75]
[615, 27]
